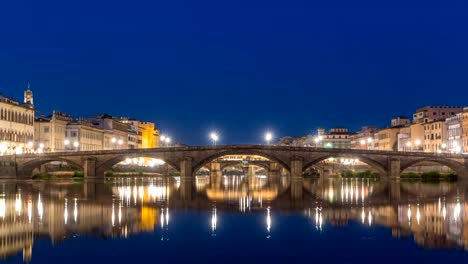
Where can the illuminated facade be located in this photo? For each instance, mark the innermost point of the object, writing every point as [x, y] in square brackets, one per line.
[432, 113]
[434, 136]
[81, 135]
[338, 137]
[454, 134]
[16, 124]
[465, 130]
[49, 131]
[386, 139]
[149, 135]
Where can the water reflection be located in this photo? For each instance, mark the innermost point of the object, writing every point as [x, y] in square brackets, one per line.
[435, 215]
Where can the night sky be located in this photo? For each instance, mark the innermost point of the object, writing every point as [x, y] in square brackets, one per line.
[239, 67]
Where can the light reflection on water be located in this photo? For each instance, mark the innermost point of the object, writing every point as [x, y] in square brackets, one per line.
[436, 215]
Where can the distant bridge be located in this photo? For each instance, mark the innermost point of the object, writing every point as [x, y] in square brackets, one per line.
[188, 160]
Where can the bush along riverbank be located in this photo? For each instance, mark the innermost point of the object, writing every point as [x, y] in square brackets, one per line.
[360, 174]
[53, 176]
[431, 176]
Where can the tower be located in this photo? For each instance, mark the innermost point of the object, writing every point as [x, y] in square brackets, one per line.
[28, 96]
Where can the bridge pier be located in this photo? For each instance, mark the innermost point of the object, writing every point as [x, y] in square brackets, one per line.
[297, 164]
[394, 191]
[89, 167]
[186, 176]
[394, 168]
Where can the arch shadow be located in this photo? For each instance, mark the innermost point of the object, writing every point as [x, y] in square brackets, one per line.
[457, 167]
[108, 164]
[28, 167]
[213, 157]
[379, 167]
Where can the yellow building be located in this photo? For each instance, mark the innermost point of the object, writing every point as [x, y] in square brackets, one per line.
[149, 135]
[465, 130]
[434, 136]
[386, 139]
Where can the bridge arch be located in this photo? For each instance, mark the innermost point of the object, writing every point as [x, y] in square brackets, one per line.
[457, 167]
[238, 164]
[217, 155]
[28, 167]
[111, 162]
[378, 166]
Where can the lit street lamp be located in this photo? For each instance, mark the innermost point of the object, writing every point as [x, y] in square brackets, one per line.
[76, 144]
[408, 146]
[214, 138]
[268, 137]
[418, 143]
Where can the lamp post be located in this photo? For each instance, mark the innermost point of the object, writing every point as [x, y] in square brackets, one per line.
[408, 146]
[443, 146]
[66, 143]
[214, 138]
[418, 143]
[76, 144]
[268, 137]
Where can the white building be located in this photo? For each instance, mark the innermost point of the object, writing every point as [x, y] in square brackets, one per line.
[454, 133]
[16, 124]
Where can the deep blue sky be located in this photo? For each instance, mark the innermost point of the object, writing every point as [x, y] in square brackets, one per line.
[239, 67]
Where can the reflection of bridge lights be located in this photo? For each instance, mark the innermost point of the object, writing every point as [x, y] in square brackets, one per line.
[457, 211]
[161, 219]
[318, 218]
[330, 194]
[409, 213]
[363, 216]
[40, 207]
[268, 220]
[214, 220]
[135, 194]
[113, 214]
[29, 210]
[370, 218]
[75, 211]
[2, 207]
[18, 204]
[418, 214]
[65, 213]
[444, 212]
[120, 213]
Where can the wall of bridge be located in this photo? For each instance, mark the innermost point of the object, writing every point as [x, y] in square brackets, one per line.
[187, 160]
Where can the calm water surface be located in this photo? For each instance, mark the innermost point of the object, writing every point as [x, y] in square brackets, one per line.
[232, 219]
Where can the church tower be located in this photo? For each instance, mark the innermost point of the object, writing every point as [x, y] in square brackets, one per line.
[28, 96]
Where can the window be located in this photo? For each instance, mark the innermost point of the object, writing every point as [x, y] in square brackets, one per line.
[46, 129]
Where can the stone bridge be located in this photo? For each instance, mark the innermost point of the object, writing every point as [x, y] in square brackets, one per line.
[188, 160]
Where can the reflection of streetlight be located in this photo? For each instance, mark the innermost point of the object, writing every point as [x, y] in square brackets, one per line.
[408, 146]
[268, 137]
[214, 137]
[268, 222]
[214, 221]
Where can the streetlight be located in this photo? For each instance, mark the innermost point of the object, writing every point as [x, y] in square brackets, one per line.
[408, 145]
[418, 142]
[168, 140]
[76, 144]
[268, 137]
[214, 137]
[317, 140]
